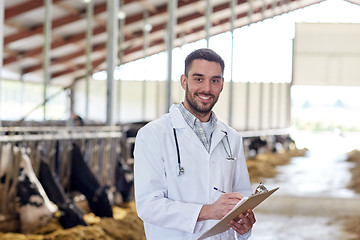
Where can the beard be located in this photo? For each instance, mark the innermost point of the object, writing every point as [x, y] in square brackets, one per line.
[197, 108]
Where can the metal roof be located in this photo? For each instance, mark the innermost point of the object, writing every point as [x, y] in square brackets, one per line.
[23, 31]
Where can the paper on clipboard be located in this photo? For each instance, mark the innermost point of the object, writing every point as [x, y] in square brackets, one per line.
[241, 207]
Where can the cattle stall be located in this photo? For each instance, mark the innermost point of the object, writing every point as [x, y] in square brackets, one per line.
[63, 165]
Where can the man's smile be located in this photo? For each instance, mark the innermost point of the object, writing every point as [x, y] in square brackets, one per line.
[204, 97]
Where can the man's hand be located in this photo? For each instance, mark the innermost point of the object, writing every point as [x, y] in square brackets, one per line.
[220, 207]
[245, 222]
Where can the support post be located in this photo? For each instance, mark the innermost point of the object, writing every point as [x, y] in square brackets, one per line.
[171, 8]
[247, 106]
[121, 40]
[271, 100]
[2, 13]
[261, 99]
[111, 57]
[46, 50]
[250, 12]
[231, 89]
[89, 32]
[146, 30]
[208, 22]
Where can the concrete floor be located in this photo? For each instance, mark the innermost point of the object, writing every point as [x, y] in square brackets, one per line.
[313, 198]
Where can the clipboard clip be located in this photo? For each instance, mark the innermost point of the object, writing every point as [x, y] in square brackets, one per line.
[260, 189]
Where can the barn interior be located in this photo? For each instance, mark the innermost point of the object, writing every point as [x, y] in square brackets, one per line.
[78, 78]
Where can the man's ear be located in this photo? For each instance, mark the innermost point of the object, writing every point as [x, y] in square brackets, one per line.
[183, 80]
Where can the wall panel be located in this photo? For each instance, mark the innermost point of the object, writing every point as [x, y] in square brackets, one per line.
[264, 108]
[327, 54]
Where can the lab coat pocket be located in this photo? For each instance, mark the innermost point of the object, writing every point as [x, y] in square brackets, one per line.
[228, 172]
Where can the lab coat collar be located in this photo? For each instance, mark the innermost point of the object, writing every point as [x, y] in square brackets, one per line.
[218, 134]
[178, 122]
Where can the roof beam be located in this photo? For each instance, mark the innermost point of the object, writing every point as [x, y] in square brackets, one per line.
[138, 46]
[21, 8]
[24, 7]
[55, 24]
[55, 44]
[161, 27]
[94, 64]
[66, 58]
[160, 41]
[81, 36]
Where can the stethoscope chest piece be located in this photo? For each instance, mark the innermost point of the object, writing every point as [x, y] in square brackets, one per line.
[181, 170]
[229, 157]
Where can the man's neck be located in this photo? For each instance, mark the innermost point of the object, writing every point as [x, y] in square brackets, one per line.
[202, 117]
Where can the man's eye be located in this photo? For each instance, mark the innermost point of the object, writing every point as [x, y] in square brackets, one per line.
[198, 79]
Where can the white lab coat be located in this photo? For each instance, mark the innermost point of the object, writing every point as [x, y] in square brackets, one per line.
[169, 204]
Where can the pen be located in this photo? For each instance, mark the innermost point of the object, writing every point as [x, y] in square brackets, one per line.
[215, 188]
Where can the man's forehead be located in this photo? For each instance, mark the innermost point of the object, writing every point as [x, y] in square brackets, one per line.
[204, 67]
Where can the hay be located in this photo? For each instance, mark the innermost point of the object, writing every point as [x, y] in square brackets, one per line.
[264, 165]
[354, 156]
[352, 223]
[125, 225]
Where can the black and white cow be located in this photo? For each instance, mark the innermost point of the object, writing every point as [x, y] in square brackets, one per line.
[83, 181]
[33, 205]
[70, 214]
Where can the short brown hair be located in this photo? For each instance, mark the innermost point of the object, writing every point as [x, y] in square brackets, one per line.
[205, 54]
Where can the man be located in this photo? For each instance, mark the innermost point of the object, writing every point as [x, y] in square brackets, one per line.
[182, 156]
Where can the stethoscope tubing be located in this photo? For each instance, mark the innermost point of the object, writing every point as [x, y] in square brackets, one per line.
[181, 169]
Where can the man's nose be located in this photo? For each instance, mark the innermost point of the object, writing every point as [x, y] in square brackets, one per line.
[206, 87]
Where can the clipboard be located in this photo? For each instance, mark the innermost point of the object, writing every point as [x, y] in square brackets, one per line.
[243, 205]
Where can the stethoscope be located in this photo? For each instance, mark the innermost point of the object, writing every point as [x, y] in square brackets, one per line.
[228, 153]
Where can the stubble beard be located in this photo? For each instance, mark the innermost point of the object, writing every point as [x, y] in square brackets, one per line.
[197, 108]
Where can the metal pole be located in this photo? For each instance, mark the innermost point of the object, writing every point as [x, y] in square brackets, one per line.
[273, 6]
[250, 11]
[247, 106]
[261, 104]
[146, 31]
[121, 40]
[263, 9]
[22, 90]
[288, 105]
[171, 24]
[89, 31]
[46, 49]
[289, 85]
[279, 115]
[208, 22]
[111, 56]
[271, 93]
[231, 90]
[2, 13]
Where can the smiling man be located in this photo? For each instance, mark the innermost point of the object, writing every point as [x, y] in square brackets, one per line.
[182, 156]
[202, 83]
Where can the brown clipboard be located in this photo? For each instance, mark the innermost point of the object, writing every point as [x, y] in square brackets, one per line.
[249, 203]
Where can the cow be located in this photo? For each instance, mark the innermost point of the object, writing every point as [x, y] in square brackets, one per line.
[32, 204]
[83, 181]
[70, 214]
